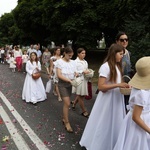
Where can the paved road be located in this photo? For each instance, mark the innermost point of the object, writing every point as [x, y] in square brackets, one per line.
[26, 126]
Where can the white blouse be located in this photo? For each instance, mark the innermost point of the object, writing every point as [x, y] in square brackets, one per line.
[68, 69]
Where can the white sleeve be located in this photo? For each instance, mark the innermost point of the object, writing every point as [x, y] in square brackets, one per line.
[140, 97]
[28, 68]
[104, 70]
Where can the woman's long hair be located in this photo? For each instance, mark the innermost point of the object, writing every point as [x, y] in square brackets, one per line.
[111, 59]
[36, 59]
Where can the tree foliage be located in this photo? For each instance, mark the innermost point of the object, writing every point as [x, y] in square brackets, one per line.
[138, 29]
[82, 21]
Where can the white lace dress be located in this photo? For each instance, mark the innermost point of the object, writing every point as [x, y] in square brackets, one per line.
[132, 136]
[33, 90]
[108, 112]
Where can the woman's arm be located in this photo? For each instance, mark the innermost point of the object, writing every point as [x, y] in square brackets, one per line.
[51, 68]
[137, 119]
[60, 76]
[28, 70]
[39, 66]
[103, 86]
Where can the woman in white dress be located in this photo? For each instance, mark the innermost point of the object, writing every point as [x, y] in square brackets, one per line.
[33, 90]
[107, 114]
[135, 130]
[81, 90]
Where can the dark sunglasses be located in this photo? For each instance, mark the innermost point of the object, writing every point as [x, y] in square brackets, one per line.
[122, 40]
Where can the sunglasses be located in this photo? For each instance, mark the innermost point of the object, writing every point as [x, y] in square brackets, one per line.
[123, 40]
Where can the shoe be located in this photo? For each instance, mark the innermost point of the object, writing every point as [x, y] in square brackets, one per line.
[73, 105]
[34, 102]
[72, 102]
[67, 126]
[54, 93]
[85, 114]
[59, 99]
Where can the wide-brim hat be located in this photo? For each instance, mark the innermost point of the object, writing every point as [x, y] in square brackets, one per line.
[141, 80]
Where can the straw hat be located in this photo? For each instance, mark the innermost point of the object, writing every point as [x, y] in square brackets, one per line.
[141, 80]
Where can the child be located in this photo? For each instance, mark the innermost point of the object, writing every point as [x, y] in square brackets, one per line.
[33, 90]
[12, 62]
[135, 130]
[25, 58]
[2, 55]
[108, 112]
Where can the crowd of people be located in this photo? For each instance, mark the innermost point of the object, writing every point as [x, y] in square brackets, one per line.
[59, 68]
[110, 125]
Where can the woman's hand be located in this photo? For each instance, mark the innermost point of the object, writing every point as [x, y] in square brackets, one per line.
[123, 85]
[76, 74]
[86, 71]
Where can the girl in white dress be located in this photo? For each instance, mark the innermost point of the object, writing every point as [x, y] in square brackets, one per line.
[12, 62]
[33, 90]
[107, 114]
[135, 131]
[81, 90]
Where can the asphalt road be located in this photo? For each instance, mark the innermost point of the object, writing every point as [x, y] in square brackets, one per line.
[25, 126]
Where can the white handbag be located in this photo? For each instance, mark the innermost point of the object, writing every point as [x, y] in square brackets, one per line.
[76, 81]
[48, 86]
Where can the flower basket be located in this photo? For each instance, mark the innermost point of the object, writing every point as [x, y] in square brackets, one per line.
[90, 74]
[125, 91]
[36, 74]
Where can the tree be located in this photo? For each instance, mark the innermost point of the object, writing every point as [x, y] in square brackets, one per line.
[28, 17]
[6, 21]
[138, 29]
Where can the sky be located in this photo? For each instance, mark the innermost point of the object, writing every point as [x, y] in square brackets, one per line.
[6, 6]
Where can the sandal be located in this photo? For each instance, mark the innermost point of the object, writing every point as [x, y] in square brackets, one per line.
[85, 114]
[72, 102]
[67, 126]
[73, 106]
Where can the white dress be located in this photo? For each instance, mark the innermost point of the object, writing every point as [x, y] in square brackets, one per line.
[132, 136]
[12, 62]
[102, 128]
[33, 90]
[82, 89]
